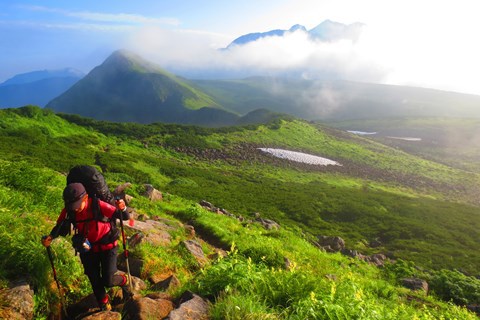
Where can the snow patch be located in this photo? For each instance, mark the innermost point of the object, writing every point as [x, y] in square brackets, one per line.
[406, 138]
[361, 133]
[300, 157]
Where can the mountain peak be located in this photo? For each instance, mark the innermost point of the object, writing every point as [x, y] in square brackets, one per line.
[297, 27]
[330, 30]
[127, 61]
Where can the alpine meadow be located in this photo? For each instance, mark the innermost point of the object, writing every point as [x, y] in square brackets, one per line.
[239, 160]
[419, 214]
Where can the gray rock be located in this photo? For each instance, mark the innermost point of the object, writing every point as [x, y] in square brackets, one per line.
[196, 250]
[335, 243]
[192, 307]
[206, 204]
[152, 193]
[17, 301]
[415, 284]
[147, 308]
[268, 224]
[168, 283]
[104, 315]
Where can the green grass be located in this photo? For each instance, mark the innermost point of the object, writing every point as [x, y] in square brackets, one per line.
[416, 222]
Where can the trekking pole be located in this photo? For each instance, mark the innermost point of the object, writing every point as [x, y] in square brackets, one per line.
[125, 252]
[62, 298]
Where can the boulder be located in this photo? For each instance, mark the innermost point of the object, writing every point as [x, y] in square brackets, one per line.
[104, 315]
[152, 193]
[268, 224]
[86, 305]
[415, 284]
[135, 239]
[159, 295]
[147, 308]
[206, 204]
[335, 244]
[196, 250]
[168, 283]
[191, 307]
[155, 232]
[17, 301]
[190, 230]
[378, 259]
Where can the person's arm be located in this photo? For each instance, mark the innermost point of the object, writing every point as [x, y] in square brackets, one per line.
[62, 228]
[114, 212]
[122, 212]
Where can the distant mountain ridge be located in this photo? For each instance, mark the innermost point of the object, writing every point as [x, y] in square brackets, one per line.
[38, 75]
[127, 88]
[326, 31]
[36, 87]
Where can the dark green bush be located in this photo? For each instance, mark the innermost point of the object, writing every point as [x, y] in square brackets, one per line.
[452, 285]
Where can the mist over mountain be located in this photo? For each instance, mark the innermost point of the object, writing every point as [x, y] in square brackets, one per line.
[326, 31]
[338, 100]
[36, 87]
[128, 88]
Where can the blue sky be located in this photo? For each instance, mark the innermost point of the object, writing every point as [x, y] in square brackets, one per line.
[423, 43]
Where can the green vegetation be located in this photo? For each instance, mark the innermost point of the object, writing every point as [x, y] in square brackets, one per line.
[403, 201]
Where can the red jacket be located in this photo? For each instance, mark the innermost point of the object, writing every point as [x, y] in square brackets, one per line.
[96, 229]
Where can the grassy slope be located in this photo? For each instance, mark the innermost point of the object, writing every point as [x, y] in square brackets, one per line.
[339, 100]
[444, 140]
[321, 202]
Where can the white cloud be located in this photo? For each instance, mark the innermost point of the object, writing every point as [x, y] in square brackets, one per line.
[295, 52]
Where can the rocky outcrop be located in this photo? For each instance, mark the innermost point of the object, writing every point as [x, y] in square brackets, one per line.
[196, 250]
[146, 308]
[266, 223]
[191, 307]
[166, 284]
[415, 284]
[152, 193]
[104, 315]
[377, 259]
[17, 301]
[331, 244]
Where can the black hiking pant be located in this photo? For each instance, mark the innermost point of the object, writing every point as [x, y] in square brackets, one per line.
[100, 268]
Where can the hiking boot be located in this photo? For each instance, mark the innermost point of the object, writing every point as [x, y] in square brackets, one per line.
[106, 306]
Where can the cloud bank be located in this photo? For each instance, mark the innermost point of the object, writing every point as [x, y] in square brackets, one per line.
[294, 53]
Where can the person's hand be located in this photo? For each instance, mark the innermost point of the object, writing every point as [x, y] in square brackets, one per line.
[47, 240]
[120, 203]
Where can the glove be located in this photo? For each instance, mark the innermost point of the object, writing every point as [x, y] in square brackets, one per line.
[47, 240]
[121, 204]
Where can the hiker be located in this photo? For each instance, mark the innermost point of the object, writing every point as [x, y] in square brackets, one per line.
[95, 238]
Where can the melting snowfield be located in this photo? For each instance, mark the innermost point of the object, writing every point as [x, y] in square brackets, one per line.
[361, 133]
[300, 157]
[406, 138]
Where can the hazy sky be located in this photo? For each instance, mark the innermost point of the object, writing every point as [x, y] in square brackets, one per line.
[423, 42]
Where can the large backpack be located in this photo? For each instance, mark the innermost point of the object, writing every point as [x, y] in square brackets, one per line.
[92, 180]
[97, 189]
